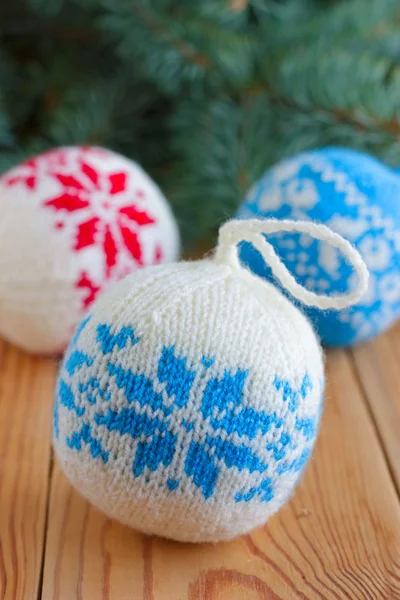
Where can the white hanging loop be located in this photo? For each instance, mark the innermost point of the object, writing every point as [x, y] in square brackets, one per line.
[252, 230]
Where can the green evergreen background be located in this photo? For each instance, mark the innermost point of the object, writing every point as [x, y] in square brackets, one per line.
[205, 94]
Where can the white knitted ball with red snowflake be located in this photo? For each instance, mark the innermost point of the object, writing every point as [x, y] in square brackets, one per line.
[73, 220]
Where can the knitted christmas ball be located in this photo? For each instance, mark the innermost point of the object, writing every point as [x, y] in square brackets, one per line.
[356, 196]
[189, 399]
[73, 220]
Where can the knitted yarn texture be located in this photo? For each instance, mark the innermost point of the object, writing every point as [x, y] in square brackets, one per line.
[189, 399]
[72, 221]
[356, 196]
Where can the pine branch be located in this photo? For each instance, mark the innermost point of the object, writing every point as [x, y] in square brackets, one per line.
[6, 137]
[179, 46]
[232, 144]
[186, 50]
[207, 95]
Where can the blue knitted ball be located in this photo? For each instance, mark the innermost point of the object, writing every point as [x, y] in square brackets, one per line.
[359, 198]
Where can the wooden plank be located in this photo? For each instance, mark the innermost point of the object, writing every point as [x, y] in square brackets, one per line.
[339, 537]
[378, 365]
[87, 555]
[26, 391]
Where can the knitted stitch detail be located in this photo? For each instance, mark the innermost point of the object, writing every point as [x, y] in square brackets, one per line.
[188, 403]
[74, 220]
[223, 415]
[356, 196]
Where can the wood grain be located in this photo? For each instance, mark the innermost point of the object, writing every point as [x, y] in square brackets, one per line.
[26, 390]
[378, 365]
[87, 555]
[339, 537]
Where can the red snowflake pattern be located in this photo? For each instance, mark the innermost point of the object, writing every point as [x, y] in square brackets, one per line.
[28, 172]
[92, 290]
[104, 210]
[122, 223]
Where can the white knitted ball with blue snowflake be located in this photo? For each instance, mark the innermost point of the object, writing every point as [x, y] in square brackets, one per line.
[189, 399]
[354, 195]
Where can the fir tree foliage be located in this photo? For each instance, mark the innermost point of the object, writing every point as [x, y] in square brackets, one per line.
[205, 95]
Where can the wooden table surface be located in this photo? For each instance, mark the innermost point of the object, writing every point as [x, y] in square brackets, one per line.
[339, 536]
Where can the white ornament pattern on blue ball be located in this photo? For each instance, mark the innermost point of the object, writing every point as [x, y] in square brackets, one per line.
[354, 195]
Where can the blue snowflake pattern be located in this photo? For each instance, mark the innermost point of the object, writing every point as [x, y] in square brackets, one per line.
[231, 427]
